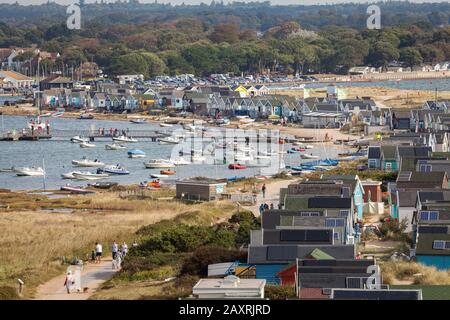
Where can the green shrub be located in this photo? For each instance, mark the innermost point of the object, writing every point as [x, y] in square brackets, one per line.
[184, 238]
[197, 263]
[279, 292]
[154, 274]
[394, 230]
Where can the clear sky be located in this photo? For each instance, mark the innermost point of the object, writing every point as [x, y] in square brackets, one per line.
[225, 1]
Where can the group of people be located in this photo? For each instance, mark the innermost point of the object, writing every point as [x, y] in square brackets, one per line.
[117, 253]
[264, 206]
[113, 132]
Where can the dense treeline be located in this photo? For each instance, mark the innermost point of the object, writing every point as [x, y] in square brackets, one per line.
[236, 38]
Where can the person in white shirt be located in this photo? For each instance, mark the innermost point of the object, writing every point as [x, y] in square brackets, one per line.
[124, 249]
[98, 252]
[114, 249]
[69, 281]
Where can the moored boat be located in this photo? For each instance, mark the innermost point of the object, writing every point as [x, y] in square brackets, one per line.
[169, 140]
[87, 163]
[138, 120]
[125, 139]
[89, 175]
[69, 175]
[136, 153]
[236, 166]
[180, 162]
[86, 116]
[103, 185]
[159, 176]
[114, 146]
[87, 145]
[117, 169]
[165, 125]
[168, 172]
[158, 163]
[309, 156]
[78, 139]
[29, 171]
[72, 189]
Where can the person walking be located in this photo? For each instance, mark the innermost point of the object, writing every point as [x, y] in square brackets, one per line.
[98, 252]
[263, 189]
[261, 208]
[69, 282]
[124, 249]
[114, 249]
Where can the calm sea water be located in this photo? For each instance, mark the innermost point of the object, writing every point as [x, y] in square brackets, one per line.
[57, 154]
[441, 84]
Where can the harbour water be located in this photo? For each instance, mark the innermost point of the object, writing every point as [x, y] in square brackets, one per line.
[57, 154]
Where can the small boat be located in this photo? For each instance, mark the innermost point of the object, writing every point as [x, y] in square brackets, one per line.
[78, 139]
[103, 185]
[189, 127]
[180, 162]
[117, 169]
[138, 120]
[87, 145]
[262, 157]
[159, 176]
[158, 163]
[264, 153]
[222, 121]
[29, 171]
[169, 140]
[309, 156]
[236, 166]
[236, 178]
[325, 162]
[168, 172]
[154, 184]
[76, 189]
[45, 115]
[125, 139]
[86, 116]
[87, 163]
[293, 151]
[69, 175]
[246, 119]
[165, 125]
[37, 124]
[57, 114]
[136, 153]
[114, 146]
[89, 175]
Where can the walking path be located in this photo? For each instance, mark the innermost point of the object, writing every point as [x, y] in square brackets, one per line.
[272, 195]
[92, 276]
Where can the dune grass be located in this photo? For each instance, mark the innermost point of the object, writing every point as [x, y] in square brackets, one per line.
[417, 273]
[34, 241]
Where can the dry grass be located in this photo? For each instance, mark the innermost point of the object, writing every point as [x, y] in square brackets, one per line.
[395, 272]
[33, 241]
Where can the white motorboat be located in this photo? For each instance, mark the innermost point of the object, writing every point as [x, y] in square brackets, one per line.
[158, 163]
[87, 163]
[78, 139]
[29, 171]
[87, 145]
[169, 140]
[138, 120]
[165, 125]
[69, 175]
[189, 127]
[114, 146]
[302, 145]
[262, 157]
[158, 176]
[125, 139]
[89, 175]
[180, 162]
[309, 156]
[265, 153]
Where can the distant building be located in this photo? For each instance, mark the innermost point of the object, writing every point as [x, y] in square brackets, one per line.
[203, 190]
[12, 79]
